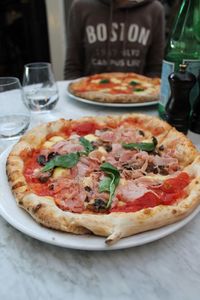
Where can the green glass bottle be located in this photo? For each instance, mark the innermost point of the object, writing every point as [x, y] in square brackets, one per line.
[183, 47]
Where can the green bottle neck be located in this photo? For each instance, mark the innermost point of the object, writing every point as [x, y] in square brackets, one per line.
[184, 41]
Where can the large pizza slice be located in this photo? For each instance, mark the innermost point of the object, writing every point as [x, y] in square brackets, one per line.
[116, 88]
[111, 176]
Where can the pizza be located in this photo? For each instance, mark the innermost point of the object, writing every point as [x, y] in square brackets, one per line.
[112, 176]
[116, 88]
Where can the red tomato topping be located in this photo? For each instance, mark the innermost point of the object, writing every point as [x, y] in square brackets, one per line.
[166, 194]
[173, 185]
[85, 128]
[147, 200]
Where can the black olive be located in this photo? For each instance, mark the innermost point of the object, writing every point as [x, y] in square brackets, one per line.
[161, 148]
[163, 170]
[87, 188]
[41, 159]
[108, 148]
[51, 155]
[155, 141]
[43, 179]
[51, 187]
[154, 152]
[155, 171]
[99, 204]
[127, 167]
[136, 167]
[87, 199]
[141, 132]
[151, 168]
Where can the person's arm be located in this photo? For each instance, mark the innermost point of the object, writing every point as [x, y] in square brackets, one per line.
[156, 51]
[74, 53]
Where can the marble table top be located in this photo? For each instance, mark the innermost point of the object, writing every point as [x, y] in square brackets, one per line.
[167, 269]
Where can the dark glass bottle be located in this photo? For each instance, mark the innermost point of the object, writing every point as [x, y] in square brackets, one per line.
[178, 106]
[195, 116]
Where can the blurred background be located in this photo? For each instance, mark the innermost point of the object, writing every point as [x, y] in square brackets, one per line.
[35, 30]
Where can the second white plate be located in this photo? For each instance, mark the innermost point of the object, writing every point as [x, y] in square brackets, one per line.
[79, 99]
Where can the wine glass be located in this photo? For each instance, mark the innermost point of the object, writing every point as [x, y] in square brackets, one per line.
[14, 115]
[40, 91]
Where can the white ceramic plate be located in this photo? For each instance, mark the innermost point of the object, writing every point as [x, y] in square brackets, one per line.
[109, 104]
[22, 221]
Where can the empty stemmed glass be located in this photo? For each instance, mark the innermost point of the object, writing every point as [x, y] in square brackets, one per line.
[40, 91]
[14, 115]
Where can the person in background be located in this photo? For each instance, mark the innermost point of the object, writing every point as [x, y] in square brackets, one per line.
[115, 36]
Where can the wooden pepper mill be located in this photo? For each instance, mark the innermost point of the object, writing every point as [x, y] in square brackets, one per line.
[178, 106]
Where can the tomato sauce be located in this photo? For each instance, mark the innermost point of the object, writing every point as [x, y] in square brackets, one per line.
[134, 122]
[35, 185]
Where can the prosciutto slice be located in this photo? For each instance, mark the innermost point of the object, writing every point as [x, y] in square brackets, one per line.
[131, 191]
[65, 147]
[164, 160]
[69, 195]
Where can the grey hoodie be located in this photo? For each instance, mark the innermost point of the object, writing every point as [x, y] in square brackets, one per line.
[104, 36]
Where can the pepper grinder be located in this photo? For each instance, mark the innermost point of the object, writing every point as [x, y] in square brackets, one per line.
[195, 116]
[178, 106]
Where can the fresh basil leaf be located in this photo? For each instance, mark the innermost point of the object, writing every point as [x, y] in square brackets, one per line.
[50, 165]
[65, 161]
[104, 81]
[114, 176]
[133, 82]
[142, 146]
[86, 144]
[138, 90]
[104, 185]
[108, 168]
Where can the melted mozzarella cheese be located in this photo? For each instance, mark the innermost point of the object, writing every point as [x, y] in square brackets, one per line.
[87, 181]
[59, 172]
[120, 88]
[115, 80]
[56, 138]
[95, 80]
[91, 137]
[48, 144]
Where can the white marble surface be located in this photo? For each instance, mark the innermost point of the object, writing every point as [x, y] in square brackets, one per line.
[168, 269]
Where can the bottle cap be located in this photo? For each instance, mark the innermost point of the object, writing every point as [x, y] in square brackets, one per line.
[182, 67]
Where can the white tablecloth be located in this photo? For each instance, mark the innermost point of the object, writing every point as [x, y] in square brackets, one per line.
[167, 269]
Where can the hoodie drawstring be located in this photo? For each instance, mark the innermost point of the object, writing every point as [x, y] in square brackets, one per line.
[109, 35]
[125, 38]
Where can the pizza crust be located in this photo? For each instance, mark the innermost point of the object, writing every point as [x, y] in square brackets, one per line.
[182, 148]
[116, 98]
[113, 226]
[105, 97]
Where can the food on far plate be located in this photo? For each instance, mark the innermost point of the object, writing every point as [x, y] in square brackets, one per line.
[116, 88]
[112, 176]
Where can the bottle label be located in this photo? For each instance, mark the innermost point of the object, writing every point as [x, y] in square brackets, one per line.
[193, 66]
[167, 69]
